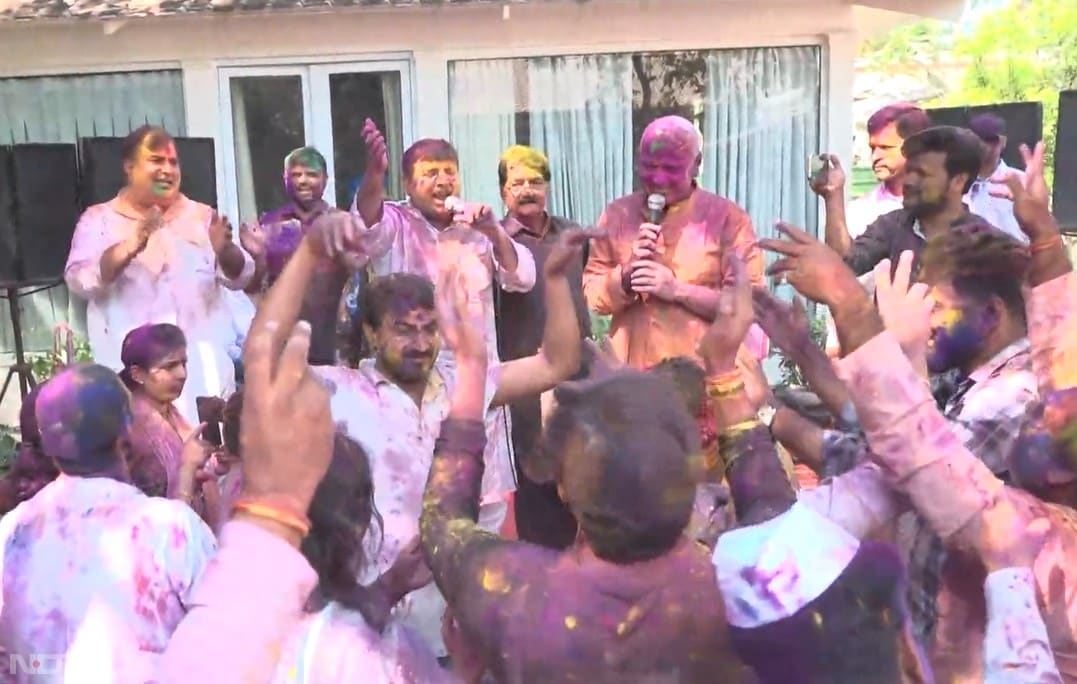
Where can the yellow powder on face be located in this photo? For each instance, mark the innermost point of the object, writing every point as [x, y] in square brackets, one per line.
[424, 168]
[570, 622]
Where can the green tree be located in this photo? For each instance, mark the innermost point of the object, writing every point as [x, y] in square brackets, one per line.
[1024, 51]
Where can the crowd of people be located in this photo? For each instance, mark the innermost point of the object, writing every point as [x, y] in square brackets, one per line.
[377, 444]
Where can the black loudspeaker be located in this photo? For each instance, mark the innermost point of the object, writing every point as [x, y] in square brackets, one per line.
[1065, 190]
[198, 160]
[46, 208]
[8, 254]
[102, 169]
[1024, 124]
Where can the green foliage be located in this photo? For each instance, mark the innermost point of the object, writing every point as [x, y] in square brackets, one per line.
[43, 366]
[1025, 51]
[600, 327]
[9, 446]
[791, 376]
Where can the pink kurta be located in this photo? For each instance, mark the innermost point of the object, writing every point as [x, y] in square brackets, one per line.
[176, 279]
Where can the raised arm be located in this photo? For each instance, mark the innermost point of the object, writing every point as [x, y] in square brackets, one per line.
[467, 562]
[98, 255]
[241, 612]
[371, 195]
[559, 356]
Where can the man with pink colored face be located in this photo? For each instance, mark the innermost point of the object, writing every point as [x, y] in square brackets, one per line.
[658, 276]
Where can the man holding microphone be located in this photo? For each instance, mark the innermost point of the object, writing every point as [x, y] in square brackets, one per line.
[659, 270]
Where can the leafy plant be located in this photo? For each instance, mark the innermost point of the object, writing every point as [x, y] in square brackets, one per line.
[9, 446]
[44, 366]
[790, 371]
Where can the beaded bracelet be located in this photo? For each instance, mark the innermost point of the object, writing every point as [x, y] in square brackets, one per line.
[278, 515]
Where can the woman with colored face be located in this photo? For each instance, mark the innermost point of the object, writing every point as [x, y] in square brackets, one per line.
[166, 454]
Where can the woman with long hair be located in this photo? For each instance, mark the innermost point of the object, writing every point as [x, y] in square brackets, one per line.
[341, 637]
[166, 454]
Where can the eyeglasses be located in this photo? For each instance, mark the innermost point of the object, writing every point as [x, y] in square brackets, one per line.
[533, 183]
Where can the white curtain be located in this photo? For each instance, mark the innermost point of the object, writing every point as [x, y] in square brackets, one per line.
[482, 123]
[761, 122]
[581, 117]
[61, 109]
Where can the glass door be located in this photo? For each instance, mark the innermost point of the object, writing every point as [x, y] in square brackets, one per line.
[344, 96]
[270, 111]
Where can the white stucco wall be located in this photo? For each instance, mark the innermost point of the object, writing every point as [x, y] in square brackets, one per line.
[430, 38]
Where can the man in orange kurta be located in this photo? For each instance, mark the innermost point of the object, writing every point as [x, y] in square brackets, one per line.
[659, 279]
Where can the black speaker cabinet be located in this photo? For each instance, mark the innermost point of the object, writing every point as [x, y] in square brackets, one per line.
[1024, 124]
[102, 169]
[46, 208]
[1065, 182]
[8, 255]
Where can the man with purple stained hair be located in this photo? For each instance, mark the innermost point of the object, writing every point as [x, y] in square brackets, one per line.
[658, 276]
[122, 564]
[276, 236]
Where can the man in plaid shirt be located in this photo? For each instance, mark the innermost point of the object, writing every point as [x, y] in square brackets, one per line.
[982, 378]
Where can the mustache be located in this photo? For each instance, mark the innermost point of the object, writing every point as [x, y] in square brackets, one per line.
[527, 199]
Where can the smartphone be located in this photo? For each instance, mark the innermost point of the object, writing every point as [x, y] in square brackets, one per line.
[209, 412]
[817, 169]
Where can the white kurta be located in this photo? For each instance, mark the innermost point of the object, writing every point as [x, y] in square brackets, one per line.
[176, 279]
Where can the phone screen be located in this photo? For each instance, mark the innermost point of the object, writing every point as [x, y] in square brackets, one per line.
[209, 413]
[817, 167]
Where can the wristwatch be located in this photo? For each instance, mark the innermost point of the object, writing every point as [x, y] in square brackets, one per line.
[766, 414]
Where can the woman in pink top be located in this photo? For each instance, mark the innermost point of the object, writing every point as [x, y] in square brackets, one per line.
[155, 371]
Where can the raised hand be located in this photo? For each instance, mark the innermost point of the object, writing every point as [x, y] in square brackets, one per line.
[334, 234]
[149, 225]
[377, 153]
[286, 432]
[812, 268]
[723, 339]
[253, 238]
[220, 232]
[785, 323]
[196, 451]
[905, 308]
[478, 216]
[832, 181]
[409, 571]
[1031, 197]
[566, 251]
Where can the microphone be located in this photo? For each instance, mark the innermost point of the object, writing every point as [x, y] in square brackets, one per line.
[454, 204]
[656, 205]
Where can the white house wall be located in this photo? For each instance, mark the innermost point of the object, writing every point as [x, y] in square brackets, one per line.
[431, 37]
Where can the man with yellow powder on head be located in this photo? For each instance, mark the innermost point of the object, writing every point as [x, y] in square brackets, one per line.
[524, 177]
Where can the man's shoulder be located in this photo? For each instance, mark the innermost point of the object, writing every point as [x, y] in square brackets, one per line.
[890, 219]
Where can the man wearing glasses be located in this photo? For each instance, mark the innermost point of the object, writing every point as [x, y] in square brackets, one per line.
[524, 176]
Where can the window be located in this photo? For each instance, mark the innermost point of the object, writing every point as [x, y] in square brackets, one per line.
[62, 109]
[758, 111]
[274, 110]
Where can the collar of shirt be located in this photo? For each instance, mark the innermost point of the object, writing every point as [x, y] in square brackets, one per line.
[1001, 359]
[514, 227]
[880, 193]
[435, 384]
[122, 206]
[919, 232]
[291, 211]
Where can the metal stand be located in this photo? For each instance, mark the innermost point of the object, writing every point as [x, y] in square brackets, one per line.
[20, 367]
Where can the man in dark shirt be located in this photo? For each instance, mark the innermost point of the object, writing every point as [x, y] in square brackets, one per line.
[942, 162]
[277, 235]
[524, 175]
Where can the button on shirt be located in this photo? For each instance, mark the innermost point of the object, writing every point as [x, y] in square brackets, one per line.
[176, 279]
[97, 571]
[398, 437]
[997, 210]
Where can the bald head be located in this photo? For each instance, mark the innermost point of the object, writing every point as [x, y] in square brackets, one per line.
[670, 152]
